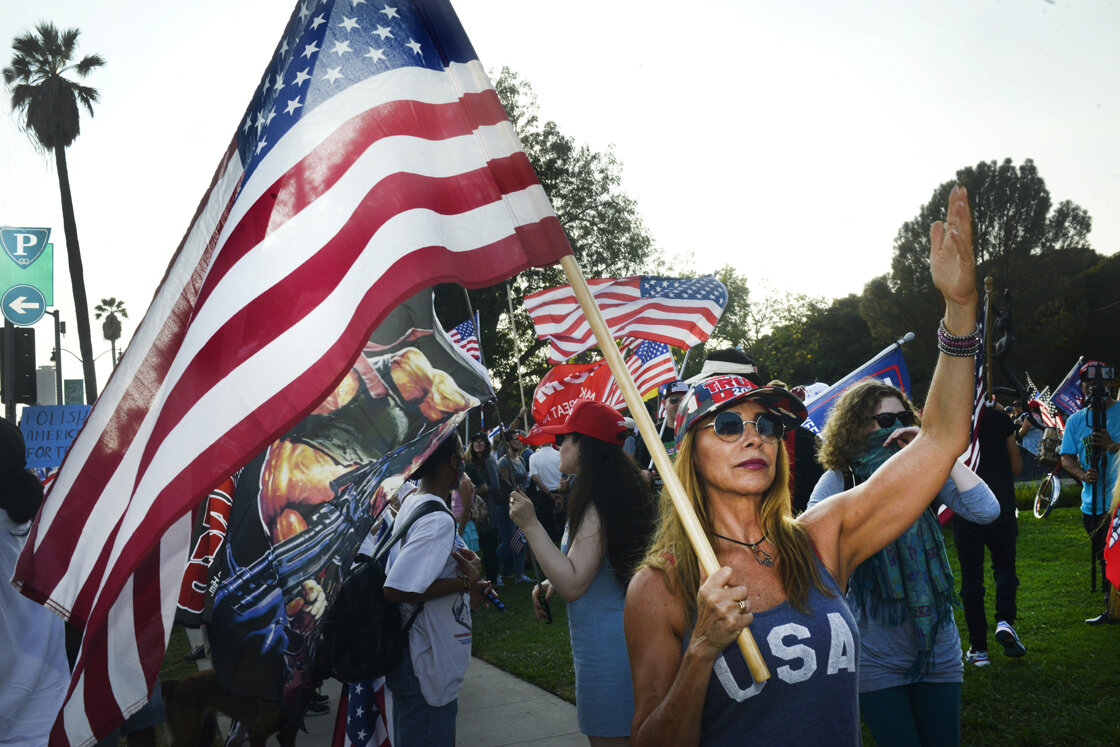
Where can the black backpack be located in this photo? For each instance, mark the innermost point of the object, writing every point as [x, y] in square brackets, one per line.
[362, 634]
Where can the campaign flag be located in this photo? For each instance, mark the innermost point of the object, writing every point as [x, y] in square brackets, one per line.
[465, 335]
[362, 719]
[888, 366]
[303, 505]
[676, 311]
[650, 365]
[1067, 395]
[375, 159]
[558, 390]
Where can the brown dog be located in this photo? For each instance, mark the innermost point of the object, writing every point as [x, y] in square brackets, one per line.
[191, 702]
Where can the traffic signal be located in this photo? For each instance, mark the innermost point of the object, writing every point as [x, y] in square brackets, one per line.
[18, 347]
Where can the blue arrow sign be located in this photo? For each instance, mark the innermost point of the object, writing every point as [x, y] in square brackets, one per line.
[23, 304]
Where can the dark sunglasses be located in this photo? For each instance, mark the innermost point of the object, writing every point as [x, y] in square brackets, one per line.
[560, 438]
[675, 399]
[729, 427]
[886, 419]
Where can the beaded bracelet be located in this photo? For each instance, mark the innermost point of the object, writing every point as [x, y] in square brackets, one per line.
[960, 347]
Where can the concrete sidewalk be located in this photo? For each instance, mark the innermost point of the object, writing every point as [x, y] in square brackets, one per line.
[495, 708]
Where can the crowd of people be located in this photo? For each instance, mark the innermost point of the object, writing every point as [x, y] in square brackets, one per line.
[829, 551]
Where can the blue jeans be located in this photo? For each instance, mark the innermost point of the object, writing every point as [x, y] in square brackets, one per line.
[415, 723]
[508, 560]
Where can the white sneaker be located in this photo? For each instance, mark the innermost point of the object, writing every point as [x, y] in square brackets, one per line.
[1009, 639]
[977, 658]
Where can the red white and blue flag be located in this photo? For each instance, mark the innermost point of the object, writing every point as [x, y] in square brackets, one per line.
[465, 336]
[889, 366]
[374, 160]
[681, 312]
[650, 365]
[362, 719]
[979, 402]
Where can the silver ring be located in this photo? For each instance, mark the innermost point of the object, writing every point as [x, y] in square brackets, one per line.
[742, 607]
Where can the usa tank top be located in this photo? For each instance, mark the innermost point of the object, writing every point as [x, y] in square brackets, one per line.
[812, 695]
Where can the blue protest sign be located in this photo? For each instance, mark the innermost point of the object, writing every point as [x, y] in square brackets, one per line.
[49, 430]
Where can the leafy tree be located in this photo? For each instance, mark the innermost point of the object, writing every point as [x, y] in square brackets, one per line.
[818, 340]
[46, 101]
[602, 222]
[1022, 243]
[111, 309]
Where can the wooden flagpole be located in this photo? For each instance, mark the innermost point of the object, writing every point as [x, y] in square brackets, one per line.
[691, 523]
[513, 326]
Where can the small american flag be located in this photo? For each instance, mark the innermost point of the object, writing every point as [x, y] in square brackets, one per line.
[650, 365]
[465, 335]
[361, 719]
[676, 311]
[517, 541]
[375, 159]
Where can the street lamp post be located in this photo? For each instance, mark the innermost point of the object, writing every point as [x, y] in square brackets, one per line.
[58, 326]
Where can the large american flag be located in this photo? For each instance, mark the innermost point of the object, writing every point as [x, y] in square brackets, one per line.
[465, 336]
[374, 160]
[676, 311]
[650, 365]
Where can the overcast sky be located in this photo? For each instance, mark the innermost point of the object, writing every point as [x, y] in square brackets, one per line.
[789, 139]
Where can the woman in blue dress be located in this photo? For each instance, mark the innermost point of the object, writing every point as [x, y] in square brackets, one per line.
[610, 517]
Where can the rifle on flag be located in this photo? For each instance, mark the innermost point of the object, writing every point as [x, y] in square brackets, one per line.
[352, 182]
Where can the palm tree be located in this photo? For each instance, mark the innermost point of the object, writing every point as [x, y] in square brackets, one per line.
[47, 103]
[110, 308]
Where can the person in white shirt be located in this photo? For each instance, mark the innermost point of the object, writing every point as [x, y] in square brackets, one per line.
[548, 498]
[433, 575]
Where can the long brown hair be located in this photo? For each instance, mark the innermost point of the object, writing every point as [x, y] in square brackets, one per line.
[671, 549]
[845, 433]
[610, 480]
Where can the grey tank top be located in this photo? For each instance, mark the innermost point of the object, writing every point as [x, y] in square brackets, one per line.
[812, 695]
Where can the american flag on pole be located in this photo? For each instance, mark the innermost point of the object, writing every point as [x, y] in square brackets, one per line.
[650, 365]
[465, 336]
[374, 160]
[676, 311]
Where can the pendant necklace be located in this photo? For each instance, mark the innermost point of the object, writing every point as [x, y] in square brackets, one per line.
[761, 556]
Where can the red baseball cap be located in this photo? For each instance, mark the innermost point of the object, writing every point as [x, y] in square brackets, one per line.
[594, 419]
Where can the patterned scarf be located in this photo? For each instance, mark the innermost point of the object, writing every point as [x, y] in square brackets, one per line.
[909, 579]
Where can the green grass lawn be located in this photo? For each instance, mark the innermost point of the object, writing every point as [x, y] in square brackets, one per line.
[1063, 692]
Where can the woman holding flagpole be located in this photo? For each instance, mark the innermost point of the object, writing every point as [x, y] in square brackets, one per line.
[783, 577]
[610, 517]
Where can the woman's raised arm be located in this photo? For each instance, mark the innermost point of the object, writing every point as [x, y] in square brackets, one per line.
[850, 528]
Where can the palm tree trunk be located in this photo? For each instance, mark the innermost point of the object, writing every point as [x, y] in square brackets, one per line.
[77, 275]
